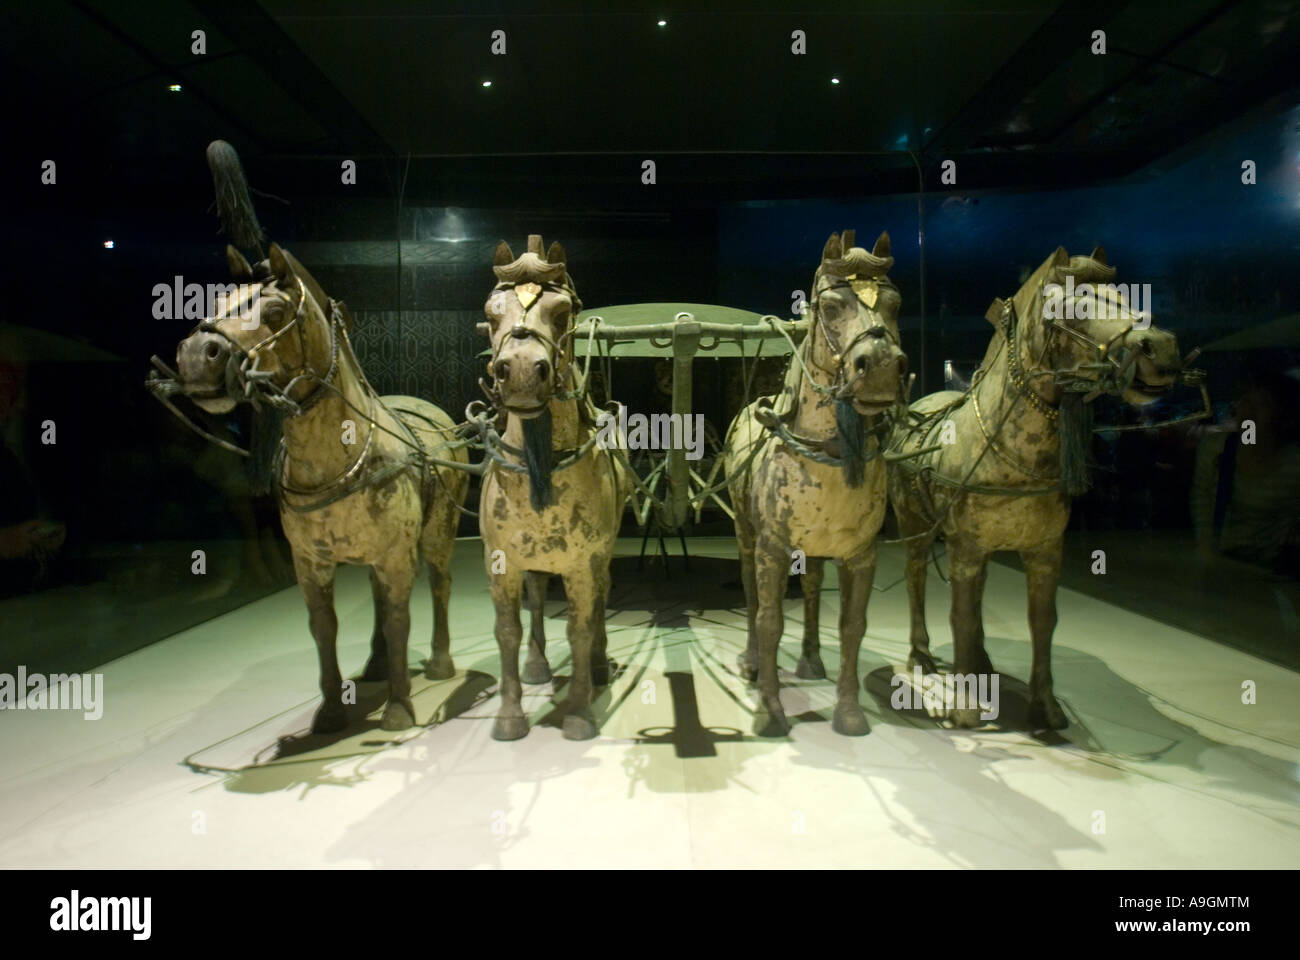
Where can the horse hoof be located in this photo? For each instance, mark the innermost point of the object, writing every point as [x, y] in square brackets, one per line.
[922, 660]
[376, 669]
[810, 668]
[329, 718]
[536, 671]
[440, 668]
[398, 715]
[966, 719]
[771, 724]
[579, 726]
[601, 672]
[985, 665]
[510, 728]
[1046, 714]
[850, 721]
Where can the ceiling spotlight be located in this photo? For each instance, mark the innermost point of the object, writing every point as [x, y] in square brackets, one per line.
[108, 244]
[175, 88]
[487, 83]
[835, 81]
[663, 23]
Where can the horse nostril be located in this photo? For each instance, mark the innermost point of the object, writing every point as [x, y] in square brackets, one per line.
[503, 369]
[543, 369]
[861, 364]
[213, 350]
[1147, 350]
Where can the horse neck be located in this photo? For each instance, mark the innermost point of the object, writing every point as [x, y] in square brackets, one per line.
[565, 423]
[313, 440]
[816, 412]
[999, 398]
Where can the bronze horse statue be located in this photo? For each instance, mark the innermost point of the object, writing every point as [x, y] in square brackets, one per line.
[1015, 453]
[552, 496]
[808, 474]
[354, 473]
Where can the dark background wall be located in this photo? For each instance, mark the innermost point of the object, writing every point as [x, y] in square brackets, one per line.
[138, 492]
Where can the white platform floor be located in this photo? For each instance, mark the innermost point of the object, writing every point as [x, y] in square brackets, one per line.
[1162, 766]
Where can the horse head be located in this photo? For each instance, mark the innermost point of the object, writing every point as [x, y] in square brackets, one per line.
[1078, 324]
[854, 329]
[271, 340]
[530, 322]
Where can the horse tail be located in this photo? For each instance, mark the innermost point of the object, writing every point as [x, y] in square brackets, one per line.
[234, 204]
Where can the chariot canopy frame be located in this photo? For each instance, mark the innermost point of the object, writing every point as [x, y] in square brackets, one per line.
[728, 333]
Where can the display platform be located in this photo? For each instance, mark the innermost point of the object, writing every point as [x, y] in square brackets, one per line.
[202, 757]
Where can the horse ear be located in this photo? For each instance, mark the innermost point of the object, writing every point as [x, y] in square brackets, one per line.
[847, 238]
[1099, 254]
[348, 322]
[1060, 257]
[280, 267]
[503, 255]
[556, 254]
[833, 250]
[239, 268]
[881, 248]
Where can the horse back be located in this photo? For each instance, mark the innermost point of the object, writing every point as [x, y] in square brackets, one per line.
[431, 425]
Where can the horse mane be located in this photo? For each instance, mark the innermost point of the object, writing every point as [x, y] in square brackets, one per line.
[534, 266]
[529, 267]
[857, 261]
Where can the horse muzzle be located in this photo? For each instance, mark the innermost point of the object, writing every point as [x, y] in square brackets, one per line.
[202, 360]
[874, 374]
[1156, 368]
[524, 378]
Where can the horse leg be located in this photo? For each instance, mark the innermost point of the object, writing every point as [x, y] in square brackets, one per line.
[1043, 571]
[317, 583]
[810, 664]
[536, 669]
[917, 561]
[747, 663]
[982, 662]
[440, 665]
[966, 569]
[856, 577]
[601, 668]
[579, 722]
[771, 573]
[506, 589]
[377, 662]
[395, 577]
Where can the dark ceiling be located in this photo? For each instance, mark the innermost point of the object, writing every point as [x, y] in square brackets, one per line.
[586, 92]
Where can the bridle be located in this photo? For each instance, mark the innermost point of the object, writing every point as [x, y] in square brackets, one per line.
[244, 377]
[1110, 371]
[522, 330]
[841, 384]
